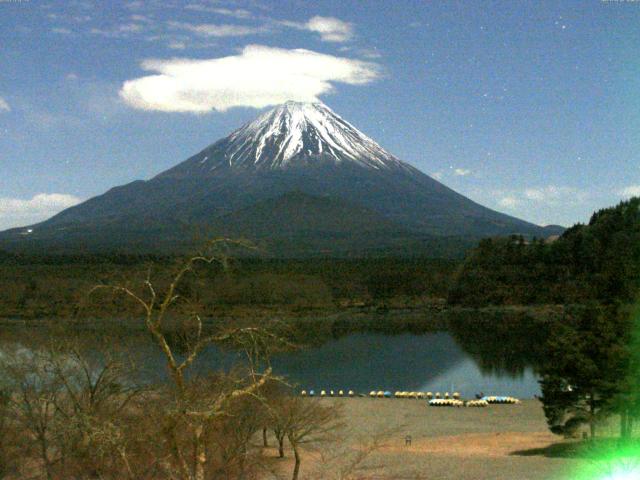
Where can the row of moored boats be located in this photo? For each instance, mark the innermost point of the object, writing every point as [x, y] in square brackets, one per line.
[434, 399]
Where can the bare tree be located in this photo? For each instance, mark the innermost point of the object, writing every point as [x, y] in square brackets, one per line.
[350, 460]
[230, 438]
[95, 394]
[8, 436]
[81, 414]
[191, 416]
[303, 421]
[310, 422]
[32, 403]
[65, 404]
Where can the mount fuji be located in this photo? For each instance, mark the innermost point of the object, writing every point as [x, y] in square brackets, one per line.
[299, 179]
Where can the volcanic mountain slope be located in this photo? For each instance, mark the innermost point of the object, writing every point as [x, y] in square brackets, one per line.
[296, 147]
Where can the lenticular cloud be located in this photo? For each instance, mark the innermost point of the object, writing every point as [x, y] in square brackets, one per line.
[258, 77]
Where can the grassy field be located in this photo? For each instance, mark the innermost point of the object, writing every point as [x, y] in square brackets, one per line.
[493, 443]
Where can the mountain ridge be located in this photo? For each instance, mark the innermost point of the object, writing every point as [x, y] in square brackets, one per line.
[292, 148]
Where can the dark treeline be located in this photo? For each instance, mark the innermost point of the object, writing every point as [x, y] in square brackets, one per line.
[56, 286]
[598, 262]
[589, 363]
[11, 258]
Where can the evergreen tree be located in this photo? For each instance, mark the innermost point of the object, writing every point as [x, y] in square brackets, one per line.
[585, 366]
[627, 400]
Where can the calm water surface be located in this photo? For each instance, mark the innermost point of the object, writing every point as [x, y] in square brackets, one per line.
[371, 361]
[361, 362]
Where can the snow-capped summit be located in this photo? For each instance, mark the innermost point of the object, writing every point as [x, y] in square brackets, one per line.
[292, 134]
[294, 129]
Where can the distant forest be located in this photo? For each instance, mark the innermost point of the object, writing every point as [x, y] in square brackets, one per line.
[597, 262]
[57, 286]
[594, 263]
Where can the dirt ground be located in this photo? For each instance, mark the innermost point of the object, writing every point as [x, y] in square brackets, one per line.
[498, 442]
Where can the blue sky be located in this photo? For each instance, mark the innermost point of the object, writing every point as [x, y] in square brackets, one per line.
[531, 108]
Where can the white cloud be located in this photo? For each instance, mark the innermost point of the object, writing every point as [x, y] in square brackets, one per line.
[553, 194]
[535, 198]
[119, 31]
[140, 18]
[216, 30]
[134, 5]
[15, 212]
[62, 30]
[177, 45]
[543, 205]
[457, 172]
[4, 106]
[509, 202]
[630, 191]
[257, 77]
[235, 13]
[181, 42]
[331, 29]
[535, 194]
[130, 28]
[370, 53]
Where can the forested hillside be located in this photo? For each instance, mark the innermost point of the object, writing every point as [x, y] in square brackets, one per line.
[55, 286]
[589, 364]
[598, 262]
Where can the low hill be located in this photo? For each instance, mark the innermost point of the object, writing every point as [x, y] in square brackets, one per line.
[596, 262]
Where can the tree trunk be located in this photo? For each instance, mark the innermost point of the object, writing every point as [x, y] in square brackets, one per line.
[296, 467]
[125, 460]
[201, 454]
[281, 446]
[624, 424]
[45, 456]
[264, 437]
[592, 417]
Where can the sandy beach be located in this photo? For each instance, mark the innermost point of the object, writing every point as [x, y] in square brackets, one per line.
[492, 443]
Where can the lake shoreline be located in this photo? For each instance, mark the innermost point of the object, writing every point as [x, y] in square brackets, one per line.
[352, 313]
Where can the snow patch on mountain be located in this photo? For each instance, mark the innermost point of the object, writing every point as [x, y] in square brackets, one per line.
[309, 129]
[292, 134]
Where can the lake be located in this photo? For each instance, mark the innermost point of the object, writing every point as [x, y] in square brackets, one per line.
[429, 362]
[442, 361]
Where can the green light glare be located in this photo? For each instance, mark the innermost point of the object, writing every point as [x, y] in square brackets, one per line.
[612, 463]
[615, 458]
[624, 472]
[633, 475]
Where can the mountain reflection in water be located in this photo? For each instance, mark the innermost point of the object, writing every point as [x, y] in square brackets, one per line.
[370, 361]
[493, 357]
